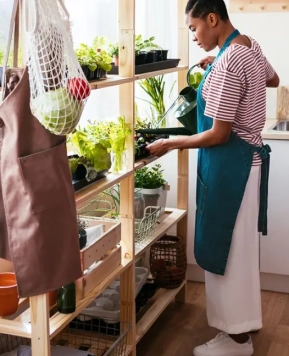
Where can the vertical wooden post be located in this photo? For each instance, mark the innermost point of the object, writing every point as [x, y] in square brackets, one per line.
[126, 10]
[183, 155]
[40, 337]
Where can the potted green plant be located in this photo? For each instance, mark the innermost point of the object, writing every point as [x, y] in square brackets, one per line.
[113, 135]
[113, 50]
[103, 57]
[150, 182]
[87, 59]
[104, 64]
[92, 153]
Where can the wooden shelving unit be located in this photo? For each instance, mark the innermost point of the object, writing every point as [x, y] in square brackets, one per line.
[38, 322]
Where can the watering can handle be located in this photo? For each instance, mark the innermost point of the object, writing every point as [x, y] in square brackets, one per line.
[189, 73]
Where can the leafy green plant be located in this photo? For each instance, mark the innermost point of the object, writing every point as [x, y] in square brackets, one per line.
[149, 178]
[113, 49]
[90, 151]
[195, 79]
[104, 60]
[112, 134]
[155, 87]
[99, 42]
[145, 45]
[86, 56]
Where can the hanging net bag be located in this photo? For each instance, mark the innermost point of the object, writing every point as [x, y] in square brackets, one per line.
[58, 86]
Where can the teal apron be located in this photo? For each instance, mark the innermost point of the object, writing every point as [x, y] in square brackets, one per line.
[223, 172]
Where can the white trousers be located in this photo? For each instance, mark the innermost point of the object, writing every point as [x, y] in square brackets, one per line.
[234, 300]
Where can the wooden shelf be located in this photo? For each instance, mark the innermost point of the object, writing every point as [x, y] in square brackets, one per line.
[144, 162]
[112, 80]
[170, 218]
[160, 72]
[161, 300]
[84, 196]
[58, 321]
[20, 326]
[258, 6]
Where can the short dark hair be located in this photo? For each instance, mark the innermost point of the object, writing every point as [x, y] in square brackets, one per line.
[202, 8]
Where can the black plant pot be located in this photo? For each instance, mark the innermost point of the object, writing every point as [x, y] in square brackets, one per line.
[99, 73]
[165, 55]
[80, 172]
[86, 71]
[140, 58]
[82, 238]
[151, 57]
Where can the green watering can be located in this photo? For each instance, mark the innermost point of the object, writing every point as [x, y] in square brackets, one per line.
[184, 109]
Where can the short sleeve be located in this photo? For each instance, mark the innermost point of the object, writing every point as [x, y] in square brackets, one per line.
[224, 95]
[269, 70]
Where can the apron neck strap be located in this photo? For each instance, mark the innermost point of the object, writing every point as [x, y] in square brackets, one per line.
[227, 43]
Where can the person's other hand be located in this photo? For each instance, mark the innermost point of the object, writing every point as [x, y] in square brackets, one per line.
[204, 62]
[158, 148]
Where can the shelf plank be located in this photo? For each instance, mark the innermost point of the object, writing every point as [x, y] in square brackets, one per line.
[112, 80]
[258, 6]
[84, 196]
[59, 321]
[162, 299]
[16, 328]
[144, 161]
[170, 218]
[161, 72]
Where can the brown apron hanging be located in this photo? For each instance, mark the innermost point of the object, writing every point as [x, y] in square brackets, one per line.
[38, 228]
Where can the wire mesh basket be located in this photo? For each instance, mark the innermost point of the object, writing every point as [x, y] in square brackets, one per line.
[9, 343]
[92, 337]
[95, 337]
[144, 227]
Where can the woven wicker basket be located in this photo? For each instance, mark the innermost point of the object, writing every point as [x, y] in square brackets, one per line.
[168, 262]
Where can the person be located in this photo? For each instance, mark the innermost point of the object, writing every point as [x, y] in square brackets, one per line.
[13, 81]
[232, 175]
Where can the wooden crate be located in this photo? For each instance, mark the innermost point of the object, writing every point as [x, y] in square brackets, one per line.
[99, 259]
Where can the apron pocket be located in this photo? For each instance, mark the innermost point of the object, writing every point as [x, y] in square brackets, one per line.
[45, 177]
[201, 195]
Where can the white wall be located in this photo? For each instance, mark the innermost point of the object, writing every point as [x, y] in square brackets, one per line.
[271, 31]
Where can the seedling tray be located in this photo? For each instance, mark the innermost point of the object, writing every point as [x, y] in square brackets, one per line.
[150, 67]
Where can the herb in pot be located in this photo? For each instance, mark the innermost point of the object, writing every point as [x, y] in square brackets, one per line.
[149, 178]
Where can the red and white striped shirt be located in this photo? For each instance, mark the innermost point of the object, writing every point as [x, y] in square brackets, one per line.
[235, 90]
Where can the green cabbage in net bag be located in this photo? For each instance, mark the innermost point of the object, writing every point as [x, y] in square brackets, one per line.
[58, 111]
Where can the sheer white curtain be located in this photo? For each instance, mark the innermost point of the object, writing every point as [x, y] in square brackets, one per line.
[92, 18]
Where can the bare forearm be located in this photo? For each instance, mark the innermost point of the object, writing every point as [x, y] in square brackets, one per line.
[204, 139]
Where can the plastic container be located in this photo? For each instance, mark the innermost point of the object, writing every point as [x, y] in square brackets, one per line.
[8, 294]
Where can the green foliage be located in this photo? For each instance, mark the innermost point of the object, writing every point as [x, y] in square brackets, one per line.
[195, 79]
[93, 151]
[145, 45]
[149, 178]
[88, 56]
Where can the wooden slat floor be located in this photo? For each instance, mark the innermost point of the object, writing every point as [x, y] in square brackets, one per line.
[181, 327]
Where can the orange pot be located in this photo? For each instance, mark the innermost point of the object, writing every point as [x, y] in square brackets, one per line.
[53, 298]
[8, 294]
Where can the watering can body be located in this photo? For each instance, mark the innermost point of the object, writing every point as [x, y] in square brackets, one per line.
[185, 111]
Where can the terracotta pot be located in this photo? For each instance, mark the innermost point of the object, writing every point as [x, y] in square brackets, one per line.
[8, 294]
[52, 298]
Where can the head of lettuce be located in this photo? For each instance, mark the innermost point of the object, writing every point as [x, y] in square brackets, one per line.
[57, 110]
